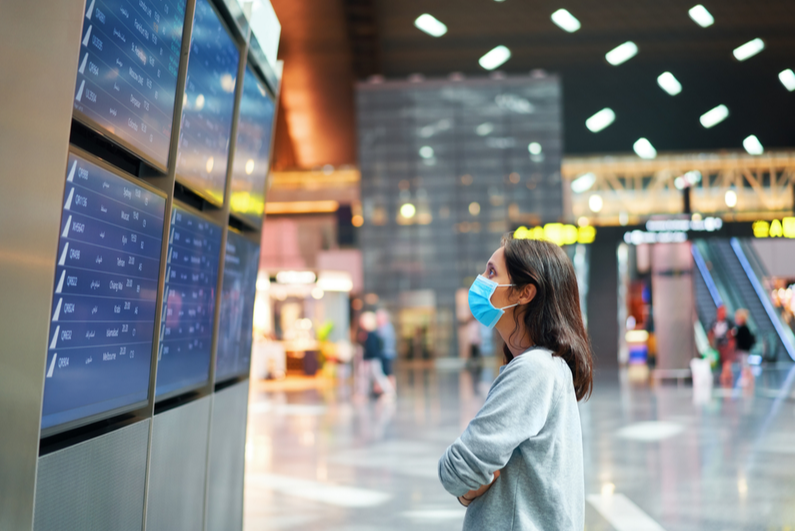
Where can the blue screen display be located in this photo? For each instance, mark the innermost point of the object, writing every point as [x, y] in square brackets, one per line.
[186, 328]
[104, 299]
[127, 71]
[241, 264]
[252, 151]
[208, 106]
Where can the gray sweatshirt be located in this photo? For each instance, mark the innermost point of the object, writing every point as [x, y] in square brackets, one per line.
[529, 429]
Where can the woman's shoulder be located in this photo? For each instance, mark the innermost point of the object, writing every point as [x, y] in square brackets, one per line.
[542, 360]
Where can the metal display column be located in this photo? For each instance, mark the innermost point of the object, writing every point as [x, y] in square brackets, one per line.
[38, 60]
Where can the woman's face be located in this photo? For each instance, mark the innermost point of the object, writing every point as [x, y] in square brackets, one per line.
[497, 272]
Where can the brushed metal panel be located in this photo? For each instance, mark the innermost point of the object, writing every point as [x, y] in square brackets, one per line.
[96, 485]
[38, 61]
[177, 468]
[227, 459]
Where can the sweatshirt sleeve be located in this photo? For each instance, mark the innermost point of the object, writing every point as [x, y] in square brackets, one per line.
[515, 410]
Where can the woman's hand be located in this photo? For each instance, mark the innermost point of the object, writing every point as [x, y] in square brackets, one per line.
[467, 498]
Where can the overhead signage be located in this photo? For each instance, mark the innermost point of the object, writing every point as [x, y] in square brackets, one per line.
[637, 237]
[684, 225]
[784, 228]
[557, 233]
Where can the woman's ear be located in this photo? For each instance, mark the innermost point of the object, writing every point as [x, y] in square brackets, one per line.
[528, 294]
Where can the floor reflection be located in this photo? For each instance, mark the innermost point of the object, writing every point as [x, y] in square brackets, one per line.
[321, 458]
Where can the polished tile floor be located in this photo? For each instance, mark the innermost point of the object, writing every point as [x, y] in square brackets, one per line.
[319, 458]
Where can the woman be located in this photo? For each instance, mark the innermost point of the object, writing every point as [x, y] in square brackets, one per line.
[518, 465]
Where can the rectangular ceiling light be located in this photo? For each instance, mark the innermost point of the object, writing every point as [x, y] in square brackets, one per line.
[622, 53]
[600, 120]
[495, 58]
[669, 83]
[753, 146]
[583, 183]
[565, 20]
[430, 25]
[749, 49]
[644, 149]
[701, 16]
[714, 116]
[787, 78]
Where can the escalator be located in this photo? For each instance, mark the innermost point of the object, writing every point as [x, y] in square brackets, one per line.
[729, 273]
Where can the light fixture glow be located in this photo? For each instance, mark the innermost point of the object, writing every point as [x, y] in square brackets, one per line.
[644, 149]
[199, 102]
[209, 165]
[565, 20]
[701, 16]
[407, 210]
[484, 129]
[495, 58]
[749, 49]
[426, 152]
[595, 203]
[600, 120]
[714, 116]
[753, 146]
[583, 183]
[787, 78]
[622, 53]
[730, 198]
[430, 25]
[534, 148]
[669, 83]
[474, 208]
[249, 166]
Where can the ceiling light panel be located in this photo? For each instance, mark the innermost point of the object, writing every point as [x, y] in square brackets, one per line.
[622, 53]
[713, 117]
[644, 149]
[701, 16]
[787, 78]
[669, 83]
[753, 146]
[565, 20]
[430, 25]
[495, 58]
[583, 183]
[600, 120]
[749, 49]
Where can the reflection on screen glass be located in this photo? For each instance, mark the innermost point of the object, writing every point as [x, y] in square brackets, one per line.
[207, 106]
[127, 74]
[252, 150]
[186, 327]
[241, 262]
[104, 296]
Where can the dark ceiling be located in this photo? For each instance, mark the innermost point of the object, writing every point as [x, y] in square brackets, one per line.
[382, 40]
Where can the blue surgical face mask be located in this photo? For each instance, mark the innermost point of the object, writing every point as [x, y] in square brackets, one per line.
[480, 301]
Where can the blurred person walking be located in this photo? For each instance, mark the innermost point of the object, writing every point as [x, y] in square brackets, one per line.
[386, 332]
[721, 337]
[745, 341]
[519, 463]
[373, 348]
[475, 339]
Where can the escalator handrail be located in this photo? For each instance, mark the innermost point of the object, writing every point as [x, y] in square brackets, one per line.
[763, 298]
[705, 274]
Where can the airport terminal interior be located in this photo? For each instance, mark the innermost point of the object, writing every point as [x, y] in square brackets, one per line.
[265, 263]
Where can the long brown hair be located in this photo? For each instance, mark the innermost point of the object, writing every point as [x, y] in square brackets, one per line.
[553, 318]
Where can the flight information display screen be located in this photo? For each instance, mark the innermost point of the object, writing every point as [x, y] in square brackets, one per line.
[127, 71]
[241, 264]
[186, 328]
[252, 151]
[104, 297]
[208, 106]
